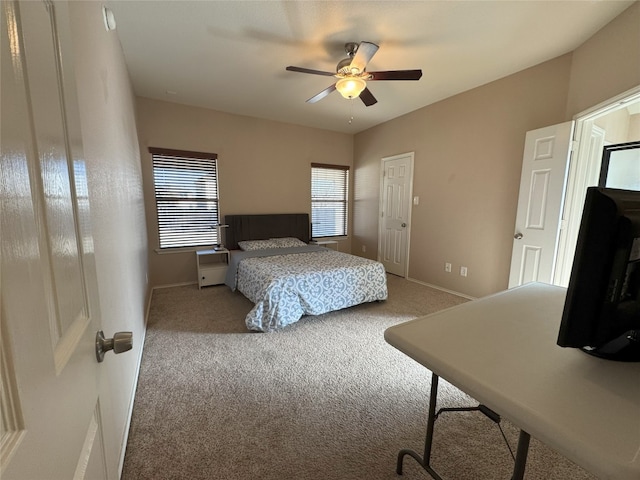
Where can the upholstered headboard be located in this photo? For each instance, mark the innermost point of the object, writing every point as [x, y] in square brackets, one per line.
[260, 227]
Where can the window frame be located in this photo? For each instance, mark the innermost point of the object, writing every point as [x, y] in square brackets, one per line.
[344, 200]
[195, 234]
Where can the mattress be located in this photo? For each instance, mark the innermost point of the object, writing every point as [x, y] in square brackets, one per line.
[285, 284]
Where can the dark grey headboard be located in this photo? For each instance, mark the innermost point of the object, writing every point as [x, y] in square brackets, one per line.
[260, 227]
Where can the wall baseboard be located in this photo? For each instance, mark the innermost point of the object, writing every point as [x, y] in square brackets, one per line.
[125, 437]
[452, 292]
[182, 284]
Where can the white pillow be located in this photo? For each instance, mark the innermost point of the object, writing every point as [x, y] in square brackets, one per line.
[284, 242]
[287, 242]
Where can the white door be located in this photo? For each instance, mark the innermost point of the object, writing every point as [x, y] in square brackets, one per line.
[51, 419]
[584, 173]
[542, 184]
[395, 212]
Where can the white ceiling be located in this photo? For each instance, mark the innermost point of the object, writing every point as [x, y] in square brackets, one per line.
[231, 55]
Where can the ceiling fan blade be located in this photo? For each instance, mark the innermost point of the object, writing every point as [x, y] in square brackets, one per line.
[396, 75]
[308, 70]
[365, 52]
[367, 97]
[322, 94]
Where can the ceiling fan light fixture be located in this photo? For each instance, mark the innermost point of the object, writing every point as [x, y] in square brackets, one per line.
[351, 87]
[352, 75]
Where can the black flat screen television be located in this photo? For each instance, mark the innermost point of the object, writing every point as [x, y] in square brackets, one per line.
[602, 308]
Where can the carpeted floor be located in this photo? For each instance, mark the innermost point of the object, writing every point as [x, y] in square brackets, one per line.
[325, 398]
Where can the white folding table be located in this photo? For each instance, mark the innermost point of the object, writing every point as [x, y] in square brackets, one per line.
[502, 351]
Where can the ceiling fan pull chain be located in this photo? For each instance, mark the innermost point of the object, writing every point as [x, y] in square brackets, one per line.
[350, 112]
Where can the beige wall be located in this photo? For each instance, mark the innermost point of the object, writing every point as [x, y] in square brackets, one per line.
[468, 154]
[607, 64]
[619, 126]
[264, 167]
[107, 115]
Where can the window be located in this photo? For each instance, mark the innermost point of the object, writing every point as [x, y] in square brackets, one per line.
[186, 187]
[329, 194]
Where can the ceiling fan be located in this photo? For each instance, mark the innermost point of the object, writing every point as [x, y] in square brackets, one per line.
[352, 75]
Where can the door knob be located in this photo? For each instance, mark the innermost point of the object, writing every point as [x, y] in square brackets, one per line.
[404, 225]
[518, 236]
[121, 342]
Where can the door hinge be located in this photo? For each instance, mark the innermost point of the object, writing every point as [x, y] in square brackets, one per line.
[574, 145]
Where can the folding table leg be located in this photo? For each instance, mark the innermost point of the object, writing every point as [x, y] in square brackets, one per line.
[425, 460]
[521, 456]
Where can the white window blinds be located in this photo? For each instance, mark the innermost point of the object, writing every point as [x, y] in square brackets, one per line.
[186, 188]
[329, 194]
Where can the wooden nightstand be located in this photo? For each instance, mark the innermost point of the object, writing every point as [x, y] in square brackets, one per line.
[212, 266]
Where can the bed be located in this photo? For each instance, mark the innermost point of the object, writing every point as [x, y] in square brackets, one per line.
[272, 264]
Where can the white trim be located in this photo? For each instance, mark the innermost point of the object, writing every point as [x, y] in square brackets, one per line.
[170, 285]
[577, 176]
[125, 436]
[589, 139]
[446, 290]
[611, 104]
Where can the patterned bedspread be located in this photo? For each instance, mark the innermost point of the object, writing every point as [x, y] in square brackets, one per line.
[312, 281]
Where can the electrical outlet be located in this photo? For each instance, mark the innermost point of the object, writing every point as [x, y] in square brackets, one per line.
[447, 267]
[364, 248]
[463, 271]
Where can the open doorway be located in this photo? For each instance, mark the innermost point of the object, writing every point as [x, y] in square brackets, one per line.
[612, 122]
